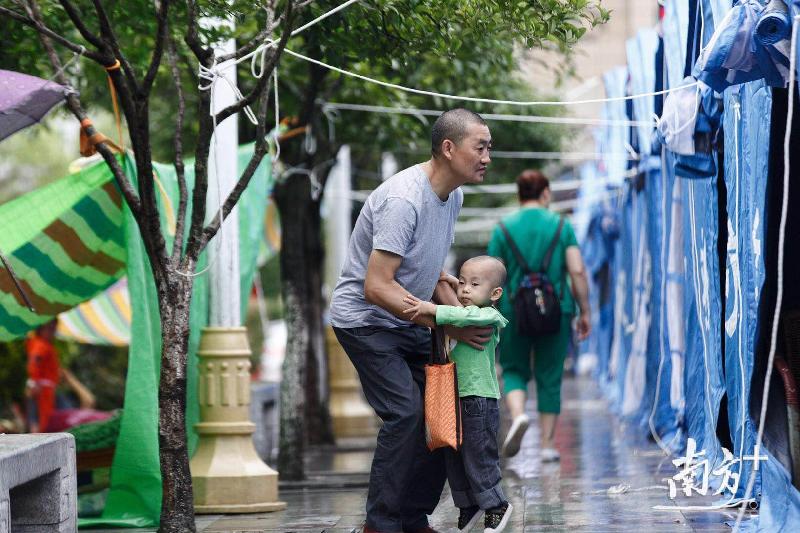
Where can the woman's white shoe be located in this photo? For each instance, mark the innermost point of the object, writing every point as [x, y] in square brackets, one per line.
[514, 438]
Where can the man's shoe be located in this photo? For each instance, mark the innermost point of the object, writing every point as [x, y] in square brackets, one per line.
[497, 519]
[549, 455]
[514, 438]
[467, 518]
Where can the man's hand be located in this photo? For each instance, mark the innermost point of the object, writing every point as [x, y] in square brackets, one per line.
[475, 336]
[449, 279]
[419, 308]
[583, 326]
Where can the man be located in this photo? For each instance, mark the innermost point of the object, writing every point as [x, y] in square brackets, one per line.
[398, 247]
[533, 229]
[44, 372]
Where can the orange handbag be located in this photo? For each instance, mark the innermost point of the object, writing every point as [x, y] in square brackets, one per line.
[442, 406]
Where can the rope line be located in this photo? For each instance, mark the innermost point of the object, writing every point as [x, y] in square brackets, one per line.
[488, 116]
[483, 100]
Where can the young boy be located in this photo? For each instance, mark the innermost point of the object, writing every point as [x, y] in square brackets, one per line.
[474, 471]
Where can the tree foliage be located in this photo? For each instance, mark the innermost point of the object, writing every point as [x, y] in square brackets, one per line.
[468, 47]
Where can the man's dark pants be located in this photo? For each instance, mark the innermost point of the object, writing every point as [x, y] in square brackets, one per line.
[406, 479]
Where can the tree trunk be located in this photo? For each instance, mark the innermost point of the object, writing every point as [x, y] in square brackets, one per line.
[177, 502]
[304, 411]
[320, 428]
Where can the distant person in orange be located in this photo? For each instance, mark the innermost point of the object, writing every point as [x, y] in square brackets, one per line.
[44, 372]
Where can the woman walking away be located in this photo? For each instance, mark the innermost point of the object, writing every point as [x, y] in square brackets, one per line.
[538, 246]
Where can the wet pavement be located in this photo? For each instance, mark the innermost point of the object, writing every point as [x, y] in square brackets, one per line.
[604, 483]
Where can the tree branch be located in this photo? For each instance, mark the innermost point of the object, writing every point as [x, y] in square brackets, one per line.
[161, 34]
[74, 104]
[269, 27]
[180, 224]
[200, 189]
[268, 67]
[259, 151]
[77, 19]
[43, 30]
[107, 31]
[204, 55]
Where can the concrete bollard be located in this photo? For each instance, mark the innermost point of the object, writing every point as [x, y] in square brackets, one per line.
[351, 416]
[38, 484]
[227, 474]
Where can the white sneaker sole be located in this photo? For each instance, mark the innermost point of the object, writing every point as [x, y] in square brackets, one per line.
[503, 523]
[550, 456]
[514, 438]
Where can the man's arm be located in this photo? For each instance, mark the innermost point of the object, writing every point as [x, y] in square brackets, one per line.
[381, 287]
[580, 289]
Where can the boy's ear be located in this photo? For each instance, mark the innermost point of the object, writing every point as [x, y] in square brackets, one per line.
[497, 292]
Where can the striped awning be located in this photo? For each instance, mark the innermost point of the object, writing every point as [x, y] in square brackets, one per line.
[65, 243]
[105, 319]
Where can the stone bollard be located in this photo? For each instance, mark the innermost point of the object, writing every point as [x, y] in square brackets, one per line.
[227, 474]
[351, 416]
[38, 487]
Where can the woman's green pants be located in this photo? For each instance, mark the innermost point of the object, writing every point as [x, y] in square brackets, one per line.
[542, 358]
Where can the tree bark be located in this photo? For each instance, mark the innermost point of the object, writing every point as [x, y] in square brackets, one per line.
[177, 503]
[320, 429]
[304, 411]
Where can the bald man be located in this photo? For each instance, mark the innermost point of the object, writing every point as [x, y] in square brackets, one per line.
[398, 247]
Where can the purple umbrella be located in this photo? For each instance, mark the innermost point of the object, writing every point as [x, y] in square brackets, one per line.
[24, 100]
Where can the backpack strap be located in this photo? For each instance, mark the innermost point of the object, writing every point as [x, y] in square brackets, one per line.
[517, 254]
[548, 256]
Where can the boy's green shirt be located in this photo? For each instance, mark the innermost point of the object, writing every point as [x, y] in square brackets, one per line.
[475, 368]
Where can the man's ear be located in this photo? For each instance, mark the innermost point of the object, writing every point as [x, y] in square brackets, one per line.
[497, 292]
[448, 147]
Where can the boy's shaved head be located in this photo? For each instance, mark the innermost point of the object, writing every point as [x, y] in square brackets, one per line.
[491, 267]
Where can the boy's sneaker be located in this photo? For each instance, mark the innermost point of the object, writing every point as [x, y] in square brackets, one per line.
[467, 518]
[514, 438]
[497, 519]
[549, 455]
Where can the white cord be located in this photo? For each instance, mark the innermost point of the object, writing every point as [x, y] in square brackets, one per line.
[482, 100]
[781, 241]
[210, 87]
[488, 116]
[276, 133]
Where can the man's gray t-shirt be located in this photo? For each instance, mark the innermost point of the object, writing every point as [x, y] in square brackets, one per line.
[405, 217]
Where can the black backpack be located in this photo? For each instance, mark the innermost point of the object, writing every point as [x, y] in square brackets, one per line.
[536, 305]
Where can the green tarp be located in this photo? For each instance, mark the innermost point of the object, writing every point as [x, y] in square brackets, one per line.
[72, 239]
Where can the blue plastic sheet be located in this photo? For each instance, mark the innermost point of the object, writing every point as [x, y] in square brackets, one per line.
[669, 323]
[747, 46]
[615, 137]
[676, 28]
[642, 67]
[747, 142]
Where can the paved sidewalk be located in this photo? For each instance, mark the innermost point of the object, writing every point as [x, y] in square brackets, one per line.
[604, 483]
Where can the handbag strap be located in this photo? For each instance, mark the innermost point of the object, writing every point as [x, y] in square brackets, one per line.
[439, 351]
[548, 256]
[517, 254]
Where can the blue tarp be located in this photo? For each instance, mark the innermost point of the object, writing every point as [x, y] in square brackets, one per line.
[660, 317]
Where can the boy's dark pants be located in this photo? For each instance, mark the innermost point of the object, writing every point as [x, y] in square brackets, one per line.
[406, 479]
[474, 471]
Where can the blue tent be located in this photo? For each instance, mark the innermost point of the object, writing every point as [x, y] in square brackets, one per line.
[683, 290]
